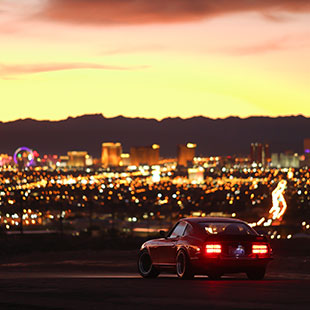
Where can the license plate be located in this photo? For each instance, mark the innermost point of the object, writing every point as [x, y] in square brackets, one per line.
[237, 251]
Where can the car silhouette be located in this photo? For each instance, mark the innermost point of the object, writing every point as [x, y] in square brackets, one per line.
[206, 246]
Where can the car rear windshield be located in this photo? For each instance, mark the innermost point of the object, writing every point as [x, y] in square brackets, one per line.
[227, 228]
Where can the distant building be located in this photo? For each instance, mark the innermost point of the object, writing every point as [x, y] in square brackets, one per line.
[307, 146]
[5, 160]
[125, 159]
[260, 154]
[306, 152]
[196, 175]
[111, 154]
[89, 160]
[62, 162]
[96, 162]
[77, 159]
[144, 155]
[186, 154]
[49, 160]
[285, 160]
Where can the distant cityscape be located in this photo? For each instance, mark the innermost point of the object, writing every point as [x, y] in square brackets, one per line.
[112, 157]
[140, 192]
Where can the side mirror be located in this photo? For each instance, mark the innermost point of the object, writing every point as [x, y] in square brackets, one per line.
[162, 234]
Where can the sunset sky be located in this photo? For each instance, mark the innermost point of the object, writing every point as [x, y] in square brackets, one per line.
[154, 58]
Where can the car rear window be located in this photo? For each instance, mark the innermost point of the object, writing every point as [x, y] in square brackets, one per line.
[227, 228]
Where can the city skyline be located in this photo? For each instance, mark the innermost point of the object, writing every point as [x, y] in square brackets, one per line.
[213, 137]
[174, 59]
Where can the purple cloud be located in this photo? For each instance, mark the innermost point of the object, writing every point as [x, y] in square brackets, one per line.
[161, 11]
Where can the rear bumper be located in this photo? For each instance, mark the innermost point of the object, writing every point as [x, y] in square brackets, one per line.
[228, 265]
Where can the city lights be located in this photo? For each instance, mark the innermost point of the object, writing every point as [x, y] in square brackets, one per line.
[150, 194]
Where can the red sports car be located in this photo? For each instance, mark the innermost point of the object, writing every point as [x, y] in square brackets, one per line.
[207, 246]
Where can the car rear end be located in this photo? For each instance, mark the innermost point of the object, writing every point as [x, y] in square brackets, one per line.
[231, 253]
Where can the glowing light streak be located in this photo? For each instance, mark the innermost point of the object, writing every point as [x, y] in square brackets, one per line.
[278, 208]
[279, 204]
[261, 221]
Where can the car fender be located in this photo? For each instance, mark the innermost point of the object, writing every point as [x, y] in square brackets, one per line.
[145, 246]
[180, 248]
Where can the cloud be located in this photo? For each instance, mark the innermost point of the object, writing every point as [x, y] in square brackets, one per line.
[275, 17]
[264, 47]
[12, 70]
[283, 43]
[103, 12]
[133, 49]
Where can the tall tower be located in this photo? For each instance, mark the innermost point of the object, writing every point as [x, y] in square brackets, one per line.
[111, 154]
[145, 155]
[260, 153]
[186, 153]
[77, 159]
[307, 146]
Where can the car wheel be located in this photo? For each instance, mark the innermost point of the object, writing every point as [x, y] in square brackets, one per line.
[256, 274]
[183, 266]
[145, 265]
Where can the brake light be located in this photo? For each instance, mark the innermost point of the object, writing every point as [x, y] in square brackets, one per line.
[213, 248]
[259, 248]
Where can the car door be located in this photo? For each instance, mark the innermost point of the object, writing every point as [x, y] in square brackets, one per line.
[167, 246]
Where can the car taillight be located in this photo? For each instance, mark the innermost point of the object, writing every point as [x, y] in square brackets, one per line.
[213, 248]
[260, 249]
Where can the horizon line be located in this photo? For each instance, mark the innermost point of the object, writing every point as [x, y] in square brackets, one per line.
[151, 118]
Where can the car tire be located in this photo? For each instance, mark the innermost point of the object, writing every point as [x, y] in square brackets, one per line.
[183, 266]
[256, 274]
[145, 265]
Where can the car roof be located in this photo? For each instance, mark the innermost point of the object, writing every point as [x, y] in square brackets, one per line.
[196, 220]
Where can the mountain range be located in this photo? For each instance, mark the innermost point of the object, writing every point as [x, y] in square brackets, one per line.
[229, 136]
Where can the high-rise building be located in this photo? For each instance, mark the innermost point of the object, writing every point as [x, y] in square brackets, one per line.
[306, 161]
[285, 160]
[77, 159]
[307, 146]
[144, 155]
[111, 154]
[260, 154]
[186, 154]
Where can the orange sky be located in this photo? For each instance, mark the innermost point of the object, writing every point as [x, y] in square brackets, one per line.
[156, 59]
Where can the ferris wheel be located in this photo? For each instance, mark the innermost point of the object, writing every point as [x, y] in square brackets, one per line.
[24, 156]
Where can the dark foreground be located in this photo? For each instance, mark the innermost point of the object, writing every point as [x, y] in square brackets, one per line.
[89, 290]
[108, 280]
